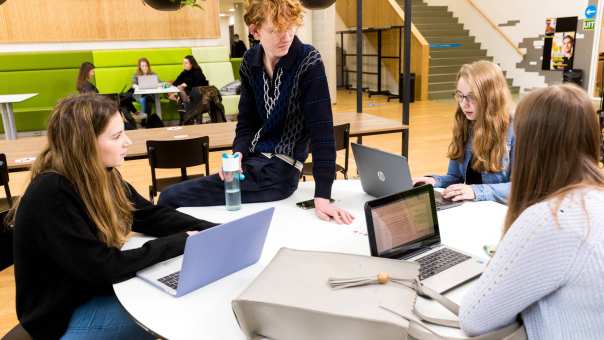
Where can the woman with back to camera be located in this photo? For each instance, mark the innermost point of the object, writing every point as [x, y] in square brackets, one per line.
[483, 140]
[74, 217]
[549, 264]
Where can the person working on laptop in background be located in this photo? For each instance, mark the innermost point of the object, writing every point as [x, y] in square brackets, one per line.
[549, 264]
[284, 109]
[483, 139]
[143, 68]
[72, 221]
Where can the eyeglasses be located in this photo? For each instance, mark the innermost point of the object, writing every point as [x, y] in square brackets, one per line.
[470, 98]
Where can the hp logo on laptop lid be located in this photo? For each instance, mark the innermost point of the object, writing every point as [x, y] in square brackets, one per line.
[381, 176]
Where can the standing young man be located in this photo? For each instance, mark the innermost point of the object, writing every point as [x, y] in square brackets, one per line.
[284, 111]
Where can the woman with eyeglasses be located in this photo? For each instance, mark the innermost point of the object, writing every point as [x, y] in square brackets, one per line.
[483, 141]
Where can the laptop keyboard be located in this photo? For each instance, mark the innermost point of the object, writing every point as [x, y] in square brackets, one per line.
[439, 261]
[170, 280]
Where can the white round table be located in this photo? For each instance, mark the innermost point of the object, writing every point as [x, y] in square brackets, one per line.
[206, 313]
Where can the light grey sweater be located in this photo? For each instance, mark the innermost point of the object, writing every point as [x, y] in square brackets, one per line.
[551, 272]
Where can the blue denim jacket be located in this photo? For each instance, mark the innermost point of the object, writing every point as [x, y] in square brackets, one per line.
[496, 185]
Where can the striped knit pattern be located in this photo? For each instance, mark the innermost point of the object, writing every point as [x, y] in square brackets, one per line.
[550, 269]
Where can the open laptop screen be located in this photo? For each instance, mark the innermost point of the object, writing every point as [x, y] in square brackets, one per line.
[403, 222]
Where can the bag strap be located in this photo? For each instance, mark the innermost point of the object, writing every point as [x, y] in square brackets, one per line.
[419, 330]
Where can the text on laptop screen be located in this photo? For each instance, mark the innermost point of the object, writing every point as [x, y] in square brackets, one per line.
[402, 222]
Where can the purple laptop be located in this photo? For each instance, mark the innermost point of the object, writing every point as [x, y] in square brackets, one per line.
[212, 254]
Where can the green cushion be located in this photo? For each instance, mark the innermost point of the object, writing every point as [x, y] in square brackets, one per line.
[156, 56]
[17, 61]
[211, 54]
[231, 104]
[218, 74]
[51, 85]
[236, 64]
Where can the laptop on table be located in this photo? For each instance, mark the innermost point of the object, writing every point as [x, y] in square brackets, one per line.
[212, 254]
[405, 226]
[146, 82]
[384, 173]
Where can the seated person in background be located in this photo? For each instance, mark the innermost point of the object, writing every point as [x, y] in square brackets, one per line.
[143, 68]
[549, 264]
[284, 108]
[237, 47]
[84, 85]
[191, 76]
[84, 82]
[483, 139]
[72, 221]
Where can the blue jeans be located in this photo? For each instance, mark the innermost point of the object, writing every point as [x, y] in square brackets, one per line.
[103, 317]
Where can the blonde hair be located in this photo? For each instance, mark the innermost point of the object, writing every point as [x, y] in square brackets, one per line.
[557, 148]
[282, 13]
[73, 128]
[489, 129]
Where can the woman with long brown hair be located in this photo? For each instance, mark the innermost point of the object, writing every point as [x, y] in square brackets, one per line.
[483, 139]
[143, 68]
[549, 264]
[84, 82]
[72, 221]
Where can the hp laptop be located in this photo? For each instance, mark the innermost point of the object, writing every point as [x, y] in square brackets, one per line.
[384, 173]
[212, 254]
[404, 226]
[146, 82]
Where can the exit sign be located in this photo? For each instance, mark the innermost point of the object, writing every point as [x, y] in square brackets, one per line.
[589, 25]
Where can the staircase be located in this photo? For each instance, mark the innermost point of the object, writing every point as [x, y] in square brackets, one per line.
[450, 47]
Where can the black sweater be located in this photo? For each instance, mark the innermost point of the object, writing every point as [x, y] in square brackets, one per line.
[298, 116]
[192, 78]
[60, 263]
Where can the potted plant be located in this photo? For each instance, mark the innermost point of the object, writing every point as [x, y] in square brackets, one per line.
[171, 5]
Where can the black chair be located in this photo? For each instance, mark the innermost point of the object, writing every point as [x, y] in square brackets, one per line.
[7, 202]
[342, 139]
[172, 154]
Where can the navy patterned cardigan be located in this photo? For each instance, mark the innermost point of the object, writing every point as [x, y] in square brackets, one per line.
[290, 112]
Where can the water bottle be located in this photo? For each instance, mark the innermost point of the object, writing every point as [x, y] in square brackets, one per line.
[232, 177]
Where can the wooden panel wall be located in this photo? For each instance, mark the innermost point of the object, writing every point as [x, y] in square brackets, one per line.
[26, 21]
[380, 13]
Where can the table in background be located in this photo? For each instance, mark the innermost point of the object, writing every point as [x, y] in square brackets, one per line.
[206, 313]
[156, 92]
[8, 116]
[20, 154]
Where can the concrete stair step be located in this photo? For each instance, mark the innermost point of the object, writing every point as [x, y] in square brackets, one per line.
[429, 9]
[446, 86]
[435, 20]
[457, 46]
[444, 69]
[446, 94]
[455, 52]
[457, 60]
[429, 26]
[452, 39]
[442, 78]
[445, 31]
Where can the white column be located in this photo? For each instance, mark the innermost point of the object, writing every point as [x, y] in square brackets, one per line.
[324, 39]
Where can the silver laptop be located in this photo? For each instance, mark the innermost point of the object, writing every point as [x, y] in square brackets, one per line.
[383, 173]
[212, 254]
[146, 82]
[404, 226]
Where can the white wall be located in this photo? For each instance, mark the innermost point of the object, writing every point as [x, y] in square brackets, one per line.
[531, 14]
